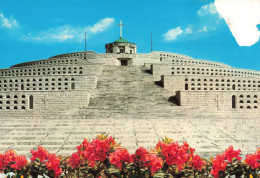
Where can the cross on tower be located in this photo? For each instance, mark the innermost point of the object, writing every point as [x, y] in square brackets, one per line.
[121, 31]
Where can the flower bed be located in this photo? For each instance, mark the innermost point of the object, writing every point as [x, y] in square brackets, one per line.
[103, 157]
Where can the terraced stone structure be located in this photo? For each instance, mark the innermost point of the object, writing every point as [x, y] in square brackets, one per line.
[137, 98]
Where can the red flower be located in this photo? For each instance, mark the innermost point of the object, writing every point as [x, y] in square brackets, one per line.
[218, 164]
[11, 159]
[155, 163]
[119, 157]
[229, 154]
[19, 163]
[41, 154]
[97, 150]
[75, 160]
[149, 160]
[53, 163]
[252, 161]
[142, 154]
[2, 166]
[174, 154]
[6, 159]
[197, 162]
[257, 153]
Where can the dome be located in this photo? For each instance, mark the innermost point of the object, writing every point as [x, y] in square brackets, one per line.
[121, 40]
[121, 45]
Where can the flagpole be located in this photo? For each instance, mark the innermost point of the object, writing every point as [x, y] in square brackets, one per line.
[151, 41]
[85, 41]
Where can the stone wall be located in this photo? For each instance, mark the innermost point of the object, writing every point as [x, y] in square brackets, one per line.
[114, 59]
[43, 103]
[61, 82]
[80, 55]
[208, 83]
[162, 69]
[145, 59]
[225, 102]
[166, 55]
[53, 70]
[178, 59]
[44, 62]
[106, 61]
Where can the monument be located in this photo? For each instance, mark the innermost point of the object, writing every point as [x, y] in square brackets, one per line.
[58, 101]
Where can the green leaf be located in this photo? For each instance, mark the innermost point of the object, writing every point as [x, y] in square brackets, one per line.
[113, 171]
[160, 175]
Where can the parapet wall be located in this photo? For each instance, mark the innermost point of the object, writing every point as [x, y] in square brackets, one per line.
[177, 59]
[53, 70]
[225, 102]
[209, 83]
[166, 55]
[48, 83]
[80, 55]
[114, 59]
[33, 103]
[50, 61]
[161, 69]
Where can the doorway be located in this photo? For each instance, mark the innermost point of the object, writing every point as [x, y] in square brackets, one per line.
[124, 62]
[30, 102]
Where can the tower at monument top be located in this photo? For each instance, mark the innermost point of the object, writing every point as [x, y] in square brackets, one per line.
[121, 45]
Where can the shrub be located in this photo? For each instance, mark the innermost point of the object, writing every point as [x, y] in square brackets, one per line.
[103, 157]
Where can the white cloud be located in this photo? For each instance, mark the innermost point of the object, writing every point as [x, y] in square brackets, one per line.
[68, 32]
[241, 16]
[207, 9]
[8, 22]
[197, 31]
[173, 34]
[204, 29]
[188, 30]
[177, 32]
[101, 25]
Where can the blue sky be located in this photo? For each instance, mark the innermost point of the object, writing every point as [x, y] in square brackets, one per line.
[38, 29]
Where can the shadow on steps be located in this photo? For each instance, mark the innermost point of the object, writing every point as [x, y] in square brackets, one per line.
[158, 83]
[147, 71]
[173, 100]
